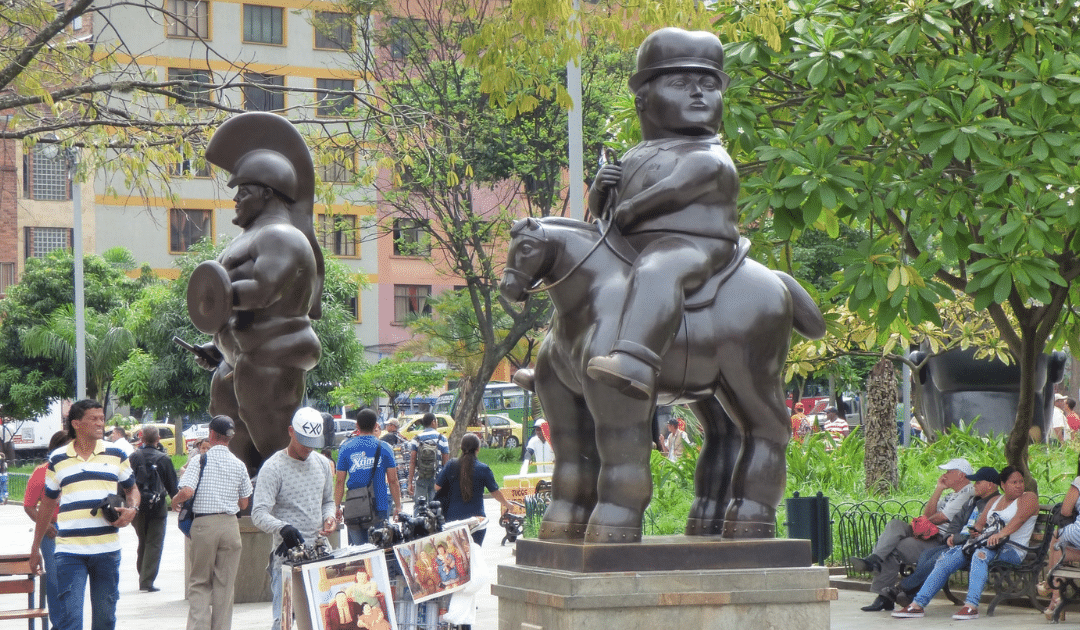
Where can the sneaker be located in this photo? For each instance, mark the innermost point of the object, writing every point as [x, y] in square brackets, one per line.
[967, 612]
[911, 611]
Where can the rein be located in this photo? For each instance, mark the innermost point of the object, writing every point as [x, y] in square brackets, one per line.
[538, 286]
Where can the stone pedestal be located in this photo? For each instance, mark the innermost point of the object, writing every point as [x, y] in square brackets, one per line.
[567, 586]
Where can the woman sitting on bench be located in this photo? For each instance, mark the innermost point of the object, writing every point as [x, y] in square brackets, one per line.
[1070, 536]
[1015, 511]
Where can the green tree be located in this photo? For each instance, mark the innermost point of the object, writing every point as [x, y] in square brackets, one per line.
[44, 298]
[389, 377]
[942, 129]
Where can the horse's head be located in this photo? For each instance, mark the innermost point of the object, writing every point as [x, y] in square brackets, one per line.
[529, 259]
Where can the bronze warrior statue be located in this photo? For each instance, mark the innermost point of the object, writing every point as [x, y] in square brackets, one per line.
[259, 297]
[658, 302]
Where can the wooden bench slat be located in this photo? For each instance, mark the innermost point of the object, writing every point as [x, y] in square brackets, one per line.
[8, 587]
[33, 613]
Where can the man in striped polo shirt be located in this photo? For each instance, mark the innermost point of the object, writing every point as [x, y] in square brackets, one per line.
[79, 476]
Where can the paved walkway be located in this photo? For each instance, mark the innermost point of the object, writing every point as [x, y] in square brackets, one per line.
[167, 609]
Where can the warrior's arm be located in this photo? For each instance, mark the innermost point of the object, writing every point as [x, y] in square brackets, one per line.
[277, 253]
[696, 175]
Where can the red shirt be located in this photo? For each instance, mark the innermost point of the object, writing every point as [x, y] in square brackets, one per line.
[35, 487]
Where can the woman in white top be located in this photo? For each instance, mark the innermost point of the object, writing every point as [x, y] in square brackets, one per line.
[1017, 510]
[1070, 534]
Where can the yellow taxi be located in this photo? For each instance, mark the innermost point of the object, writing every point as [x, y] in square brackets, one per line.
[409, 425]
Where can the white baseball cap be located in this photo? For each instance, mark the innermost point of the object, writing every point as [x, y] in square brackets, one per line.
[307, 424]
[960, 464]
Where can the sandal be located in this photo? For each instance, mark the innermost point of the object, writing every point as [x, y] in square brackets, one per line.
[1055, 603]
[1044, 589]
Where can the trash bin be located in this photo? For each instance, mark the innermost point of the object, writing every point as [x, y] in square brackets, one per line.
[808, 518]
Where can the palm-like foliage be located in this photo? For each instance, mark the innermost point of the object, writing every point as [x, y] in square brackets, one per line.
[108, 344]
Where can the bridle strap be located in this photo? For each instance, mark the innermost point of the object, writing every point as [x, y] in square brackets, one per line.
[538, 285]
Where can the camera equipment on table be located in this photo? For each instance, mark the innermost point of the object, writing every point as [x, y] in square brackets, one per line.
[514, 524]
[427, 519]
[310, 552]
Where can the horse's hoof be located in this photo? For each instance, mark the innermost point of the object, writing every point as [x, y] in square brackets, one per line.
[700, 527]
[630, 375]
[749, 529]
[561, 531]
[604, 534]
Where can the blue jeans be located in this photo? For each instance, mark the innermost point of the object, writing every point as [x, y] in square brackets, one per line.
[103, 571]
[358, 535]
[424, 488]
[274, 569]
[923, 568]
[52, 585]
[954, 560]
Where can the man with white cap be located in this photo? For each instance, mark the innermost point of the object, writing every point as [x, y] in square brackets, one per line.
[538, 450]
[899, 544]
[1058, 425]
[294, 496]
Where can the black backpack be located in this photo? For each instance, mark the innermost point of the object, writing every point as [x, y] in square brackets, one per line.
[148, 479]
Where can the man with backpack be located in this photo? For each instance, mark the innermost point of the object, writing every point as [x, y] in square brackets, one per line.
[155, 476]
[429, 453]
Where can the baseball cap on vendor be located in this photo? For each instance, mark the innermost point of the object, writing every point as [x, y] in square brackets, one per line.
[960, 464]
[223, 425]
[986, 473]
[307, 425]
[1060, 397]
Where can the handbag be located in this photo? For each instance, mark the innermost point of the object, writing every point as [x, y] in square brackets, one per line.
[924, 528]
[359, 509]
[187, 509]
[994, 525]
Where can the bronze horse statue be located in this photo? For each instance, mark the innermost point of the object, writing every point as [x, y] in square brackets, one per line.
[726, 362]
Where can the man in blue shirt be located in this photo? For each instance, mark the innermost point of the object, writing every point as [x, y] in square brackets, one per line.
[355, 466]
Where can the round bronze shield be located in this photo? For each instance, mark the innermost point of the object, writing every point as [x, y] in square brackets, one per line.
[209, 297]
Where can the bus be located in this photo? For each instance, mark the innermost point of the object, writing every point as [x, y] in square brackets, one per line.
[500, 398]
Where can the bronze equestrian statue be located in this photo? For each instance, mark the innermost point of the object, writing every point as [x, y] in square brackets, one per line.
[658, 302]
[259, 297]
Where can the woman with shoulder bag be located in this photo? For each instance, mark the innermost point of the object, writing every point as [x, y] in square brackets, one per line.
[465, 480]
[1069, 534]
[1015, 510]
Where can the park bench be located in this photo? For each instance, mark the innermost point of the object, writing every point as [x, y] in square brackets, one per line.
[16, 577]
[860, 524]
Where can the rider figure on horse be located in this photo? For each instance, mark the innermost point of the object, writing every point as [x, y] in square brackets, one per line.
[673, 198]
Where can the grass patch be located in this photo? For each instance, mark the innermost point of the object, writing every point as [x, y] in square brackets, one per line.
[503, 461]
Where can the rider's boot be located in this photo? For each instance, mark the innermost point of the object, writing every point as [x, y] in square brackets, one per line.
[630, 368]
[525, 379]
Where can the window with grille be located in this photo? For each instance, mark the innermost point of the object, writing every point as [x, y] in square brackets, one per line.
[188, 18]
[44, 177]
[411, 300]
[411, 238]
[337, 171]
[331, 104]
[186, 227]
[354, 307]
[333, 31]
[42, 240]
[197, 168]
[263, 25]
[192, 94]
[337, 233]
[261, 99]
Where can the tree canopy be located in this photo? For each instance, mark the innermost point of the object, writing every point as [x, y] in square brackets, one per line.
[943, 129]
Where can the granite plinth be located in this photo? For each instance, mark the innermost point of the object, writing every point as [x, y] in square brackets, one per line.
[713, 599]
[664, 553]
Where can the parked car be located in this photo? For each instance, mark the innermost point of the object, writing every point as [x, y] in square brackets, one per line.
[410, 425]
[343, 430]
[168, 439]
[499, 431]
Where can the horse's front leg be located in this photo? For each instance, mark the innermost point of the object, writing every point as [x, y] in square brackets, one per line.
[712, 478]
[577, 464]
[623, 441]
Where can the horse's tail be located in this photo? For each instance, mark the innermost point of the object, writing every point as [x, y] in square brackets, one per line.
[808, 320]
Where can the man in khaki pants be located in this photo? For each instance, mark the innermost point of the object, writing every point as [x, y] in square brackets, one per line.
[225, 489]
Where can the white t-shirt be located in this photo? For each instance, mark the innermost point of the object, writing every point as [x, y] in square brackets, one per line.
[1058, 420]
[541, 454]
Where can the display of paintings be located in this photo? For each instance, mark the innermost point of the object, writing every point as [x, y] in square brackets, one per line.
[436, 565]
[286, 598]
[350, 592]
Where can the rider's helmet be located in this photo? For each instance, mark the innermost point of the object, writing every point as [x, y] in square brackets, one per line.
[677, 50]
[268, 168]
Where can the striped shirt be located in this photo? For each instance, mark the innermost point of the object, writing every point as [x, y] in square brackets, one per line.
[225, 481]
[80, 485]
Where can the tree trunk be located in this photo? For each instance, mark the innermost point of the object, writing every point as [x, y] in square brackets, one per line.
[879, 427]
[1016, 447]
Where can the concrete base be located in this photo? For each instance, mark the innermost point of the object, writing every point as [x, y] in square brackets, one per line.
[538, 598]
